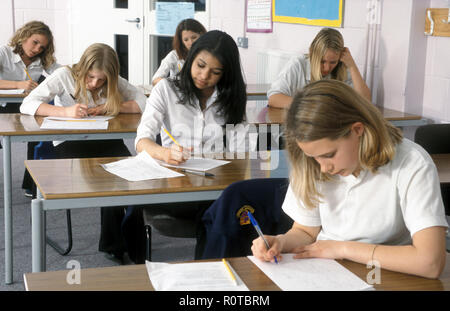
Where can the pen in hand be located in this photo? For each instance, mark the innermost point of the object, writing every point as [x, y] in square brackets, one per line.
[258, 230]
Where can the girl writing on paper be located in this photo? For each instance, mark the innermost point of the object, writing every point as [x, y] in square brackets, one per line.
[358, 190]
[210, 91]
[90, 87]
[28, 55]
[195, 108]
[23, 62]
[328, 58]
[188, 30]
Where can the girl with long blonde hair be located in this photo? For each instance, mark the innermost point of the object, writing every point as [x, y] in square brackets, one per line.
[90, 87]
[358, 190]
[328, 58]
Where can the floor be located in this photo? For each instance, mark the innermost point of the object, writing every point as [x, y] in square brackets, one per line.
[85, 228]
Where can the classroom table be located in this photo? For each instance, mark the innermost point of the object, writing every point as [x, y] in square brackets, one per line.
[16, 127]
[442, 162]
[135, 278]
[256, 91]
[83, 183]
[258, 112]
[12, 98]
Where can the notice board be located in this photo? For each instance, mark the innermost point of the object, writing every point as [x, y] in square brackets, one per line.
[309, 12]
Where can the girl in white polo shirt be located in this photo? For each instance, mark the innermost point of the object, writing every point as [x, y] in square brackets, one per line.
[29, 53]
[90, 87]
[28, 56]
[358, 190]
[195, 108]
[328, 58]
[188, 30]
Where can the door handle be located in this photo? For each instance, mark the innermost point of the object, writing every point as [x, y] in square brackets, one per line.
[136, 20]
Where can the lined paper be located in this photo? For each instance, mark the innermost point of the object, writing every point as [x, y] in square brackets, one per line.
[314, 274]
[196, 276]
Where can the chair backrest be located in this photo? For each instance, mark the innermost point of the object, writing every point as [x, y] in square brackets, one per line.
[434, 138]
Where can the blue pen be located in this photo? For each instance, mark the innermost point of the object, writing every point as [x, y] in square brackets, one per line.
[258, 229]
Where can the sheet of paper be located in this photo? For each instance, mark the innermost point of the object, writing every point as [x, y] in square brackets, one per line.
[12, 92]
[196, 276]
[77, 124]
[96, 118]
[310, 275]
[169, 14]
[140, 167]
[198, 164]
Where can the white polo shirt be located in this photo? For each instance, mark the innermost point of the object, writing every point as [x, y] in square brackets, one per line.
[294, 76]
[60, 86]
[12, 67]
[170, 66]
[189, 125]
[387, 207]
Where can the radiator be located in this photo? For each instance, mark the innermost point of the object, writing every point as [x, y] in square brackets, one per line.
[269, 64]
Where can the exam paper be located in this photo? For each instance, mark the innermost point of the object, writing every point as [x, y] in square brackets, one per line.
[198, 164]
[88, 123]
[12, 92]
[313, 274]
[196, 276]
[140, 167]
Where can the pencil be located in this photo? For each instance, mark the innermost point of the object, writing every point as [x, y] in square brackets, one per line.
[229, 271]
[29, 77]
[171, 137]
[201, 173]
[81, 120]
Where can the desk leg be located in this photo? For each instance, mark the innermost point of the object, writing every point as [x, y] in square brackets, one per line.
[37, 235]
[7, 192]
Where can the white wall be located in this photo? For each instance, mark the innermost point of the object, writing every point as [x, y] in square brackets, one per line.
[7, 21]
[436, 100]
[413, 70]
[52, 12]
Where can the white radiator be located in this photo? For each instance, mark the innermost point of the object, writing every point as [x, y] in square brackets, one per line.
[270, 63]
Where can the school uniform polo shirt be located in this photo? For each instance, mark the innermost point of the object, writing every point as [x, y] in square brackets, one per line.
[12, 68]
[60, 86]
[170, 66]
[387, 207]
[294, 76]
[189, 125]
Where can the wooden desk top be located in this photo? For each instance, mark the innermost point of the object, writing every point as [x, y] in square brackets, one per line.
[257, 89]
[21, 124]
[135, 278]
[442, 162]
[82, 178]
[252, 89]
[262, 114]
[23, 95]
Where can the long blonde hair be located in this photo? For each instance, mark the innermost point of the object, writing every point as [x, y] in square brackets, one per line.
[23, 33]
[100, 57]
[328, 109]
[326, 39]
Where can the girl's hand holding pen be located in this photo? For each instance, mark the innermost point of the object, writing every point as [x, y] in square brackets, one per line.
[27, 85]
[96, 111]
[176, 155]
[260, 251]
[76, 111]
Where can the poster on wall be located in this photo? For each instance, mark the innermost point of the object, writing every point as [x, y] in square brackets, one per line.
[258, 16]
[326, 13]
[170, 14]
